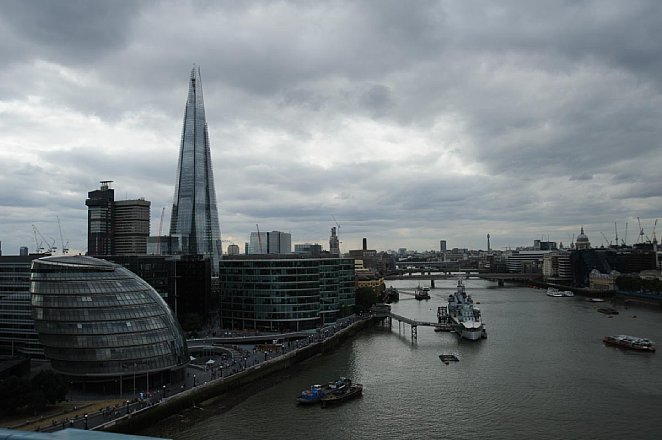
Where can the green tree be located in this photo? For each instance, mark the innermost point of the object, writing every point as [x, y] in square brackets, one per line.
[365, 298]
[192, 322]
[52, 386]
[15, 393]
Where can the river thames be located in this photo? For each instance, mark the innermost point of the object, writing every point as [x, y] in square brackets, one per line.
[543, 373]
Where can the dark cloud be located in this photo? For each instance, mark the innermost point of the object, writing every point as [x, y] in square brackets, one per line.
[407, 122]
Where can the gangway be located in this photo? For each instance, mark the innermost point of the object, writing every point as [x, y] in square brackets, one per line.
[383, 311]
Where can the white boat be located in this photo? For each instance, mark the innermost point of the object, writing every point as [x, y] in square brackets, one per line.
[464, 316]
[551, 291]
[422, 293]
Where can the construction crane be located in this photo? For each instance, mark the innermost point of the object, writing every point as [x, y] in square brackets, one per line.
[50, 249]
[64, 248]
[654, 225]
[259, 239]
[625, 239]
[641, 231]
[158, 237]
[606, 239]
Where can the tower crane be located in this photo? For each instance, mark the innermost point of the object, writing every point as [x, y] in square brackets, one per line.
[654, 225]
[641, 231]
[50, 249]
[64, 248]
[606, 239]
[625, 239]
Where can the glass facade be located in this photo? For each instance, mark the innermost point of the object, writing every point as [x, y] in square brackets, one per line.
[194, 213]
[284, 294]
[17, 333]
[97, 319]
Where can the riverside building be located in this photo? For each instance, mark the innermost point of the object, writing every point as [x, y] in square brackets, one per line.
[285, 292]
[17, 334]
[99, 322]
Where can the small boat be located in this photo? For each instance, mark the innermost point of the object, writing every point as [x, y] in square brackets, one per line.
[551, 291]
[630, 342]
[595, 300]
[447, 358]
[317, 392]
[567, 293]
[422, 293]
[354, 390]
[313, 395]
[608, 311]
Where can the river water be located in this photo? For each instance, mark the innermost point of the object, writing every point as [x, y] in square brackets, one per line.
[543, 373]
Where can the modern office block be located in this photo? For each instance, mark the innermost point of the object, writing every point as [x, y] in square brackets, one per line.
[98, 321]
[284, 293]
[274, 242]
[100, 220]
[194, 212]
[17, 333]
[116, 227]
[131, 226]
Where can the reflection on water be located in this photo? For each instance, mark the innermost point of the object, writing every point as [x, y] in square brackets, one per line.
[543, 372]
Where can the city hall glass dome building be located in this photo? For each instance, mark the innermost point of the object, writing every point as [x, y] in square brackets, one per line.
[100, 322]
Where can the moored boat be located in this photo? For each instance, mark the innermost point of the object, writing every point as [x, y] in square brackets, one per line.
[630, 342]
[464, 316]
[446, 358]
[422, 293]
[608, 311]
[354, 390]
[317, 392]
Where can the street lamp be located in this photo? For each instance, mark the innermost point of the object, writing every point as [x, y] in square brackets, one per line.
[85, 420]
[164, 391]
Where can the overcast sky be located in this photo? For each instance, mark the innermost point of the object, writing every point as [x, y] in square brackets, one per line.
[410, 122]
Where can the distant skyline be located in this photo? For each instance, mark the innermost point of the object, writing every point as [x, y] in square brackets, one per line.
[409, 123]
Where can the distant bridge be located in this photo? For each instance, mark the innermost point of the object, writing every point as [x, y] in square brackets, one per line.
[498, 277]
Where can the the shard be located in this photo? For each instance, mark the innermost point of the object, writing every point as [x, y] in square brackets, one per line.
[194, 215]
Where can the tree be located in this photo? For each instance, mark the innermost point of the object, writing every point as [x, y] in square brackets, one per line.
[52, 386]
[192, 322]
[15, 393]
[366, 297]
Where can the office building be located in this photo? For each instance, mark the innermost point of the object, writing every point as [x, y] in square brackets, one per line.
[233, 249]
[442, 246]
[100, 220]
[131, 227]
[23, 251]
[334, 243]
[17, 333]
[274, 242]
[99, 322]
[285, 293]
[116, 227]
[314, 250]
[194, 213]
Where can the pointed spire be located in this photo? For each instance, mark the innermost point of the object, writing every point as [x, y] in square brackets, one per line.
[194, 213]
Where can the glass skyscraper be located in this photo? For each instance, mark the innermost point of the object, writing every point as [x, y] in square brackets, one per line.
[194, 214]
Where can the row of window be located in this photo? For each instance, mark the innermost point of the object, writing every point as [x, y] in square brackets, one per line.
[117, 340]
[99, 328]
[115, 367]
[111, 354]
[96, 314]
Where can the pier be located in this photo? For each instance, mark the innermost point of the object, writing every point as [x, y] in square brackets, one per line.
[383, 311]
